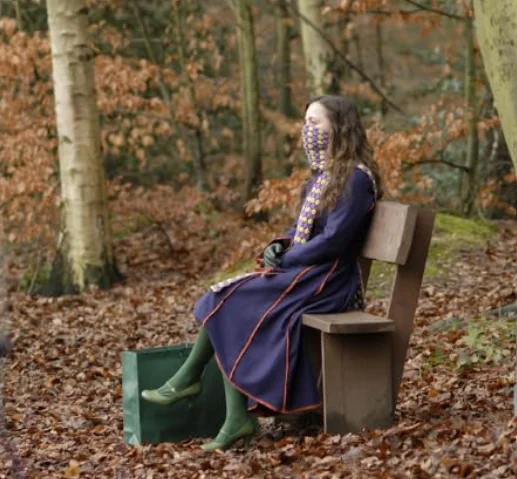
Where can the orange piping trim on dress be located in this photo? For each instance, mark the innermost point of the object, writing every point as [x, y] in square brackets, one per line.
[305, 408]
[240, 283]
[264, 316]
[334, 266]
[318, 291]
[246, 393]
[284, 402]
[324, 282]
[361, 283]
[261, 401]
[286, 376]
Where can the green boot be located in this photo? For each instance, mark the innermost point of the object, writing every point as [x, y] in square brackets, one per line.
[238, 424]
[187, 380]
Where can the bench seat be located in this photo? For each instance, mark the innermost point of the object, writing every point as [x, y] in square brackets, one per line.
[354, 322]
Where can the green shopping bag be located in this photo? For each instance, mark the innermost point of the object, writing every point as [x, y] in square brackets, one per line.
[144, 422]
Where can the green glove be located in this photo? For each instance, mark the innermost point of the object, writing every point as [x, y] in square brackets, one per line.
[272, 254]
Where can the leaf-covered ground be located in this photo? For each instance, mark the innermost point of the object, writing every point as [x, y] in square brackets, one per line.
[62, 384]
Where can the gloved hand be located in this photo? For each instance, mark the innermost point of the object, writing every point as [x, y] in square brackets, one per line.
[272, 254]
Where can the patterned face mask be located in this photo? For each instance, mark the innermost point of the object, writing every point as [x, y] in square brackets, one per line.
[315, 144]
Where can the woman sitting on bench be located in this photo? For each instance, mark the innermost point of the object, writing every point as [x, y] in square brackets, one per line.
[253, 322]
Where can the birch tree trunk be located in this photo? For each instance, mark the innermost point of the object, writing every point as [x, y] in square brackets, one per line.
[252, 144]
[316, 51]
[496, 23]
[85, 254]
[469, 187]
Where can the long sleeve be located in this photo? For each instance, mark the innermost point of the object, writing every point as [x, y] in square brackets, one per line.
[343, 225]
[287, 237]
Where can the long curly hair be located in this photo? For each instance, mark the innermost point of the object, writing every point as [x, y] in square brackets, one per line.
[348, 145]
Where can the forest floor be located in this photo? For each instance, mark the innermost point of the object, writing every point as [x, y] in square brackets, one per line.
[63, 392]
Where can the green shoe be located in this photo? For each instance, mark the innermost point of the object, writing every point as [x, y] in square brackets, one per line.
[225, 440]
[166, 394]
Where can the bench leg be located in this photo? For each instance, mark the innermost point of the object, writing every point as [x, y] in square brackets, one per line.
[357, 381]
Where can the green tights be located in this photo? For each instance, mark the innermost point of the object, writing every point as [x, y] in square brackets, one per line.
[192, 369]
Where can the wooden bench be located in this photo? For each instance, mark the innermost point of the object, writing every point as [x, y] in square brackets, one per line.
[361, 357]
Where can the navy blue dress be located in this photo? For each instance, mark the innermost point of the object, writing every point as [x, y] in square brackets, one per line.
[254, 322]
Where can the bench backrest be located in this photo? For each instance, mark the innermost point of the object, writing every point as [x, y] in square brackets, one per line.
[391, 232]
[399, 234]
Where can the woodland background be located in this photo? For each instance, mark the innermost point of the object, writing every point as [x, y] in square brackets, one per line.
[193, 194]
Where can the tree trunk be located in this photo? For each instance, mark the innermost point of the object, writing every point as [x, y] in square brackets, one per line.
[380, 65]
[316, 50]
[283, 35]
[499, 165]
[469, 188]
[358, 50]
[283, 80]
[252, 144]
[85, 254]
[339, 70]
[199, 157]
[18, 12]
[497, 35]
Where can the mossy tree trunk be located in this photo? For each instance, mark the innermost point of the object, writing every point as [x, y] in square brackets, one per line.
[497, 35]
[469, 186]
[251, 124]
[496, 23]
[316, 51]
[85, 253]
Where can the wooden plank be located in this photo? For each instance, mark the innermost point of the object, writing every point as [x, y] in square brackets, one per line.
[357, 382]
[405, 292]
[390, 233]
[354, 322]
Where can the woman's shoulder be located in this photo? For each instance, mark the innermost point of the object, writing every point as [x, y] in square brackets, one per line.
[363, 174]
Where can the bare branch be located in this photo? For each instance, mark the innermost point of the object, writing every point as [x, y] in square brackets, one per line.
[435, 10]
[393, 12]
[440, 161]
[354, 67]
